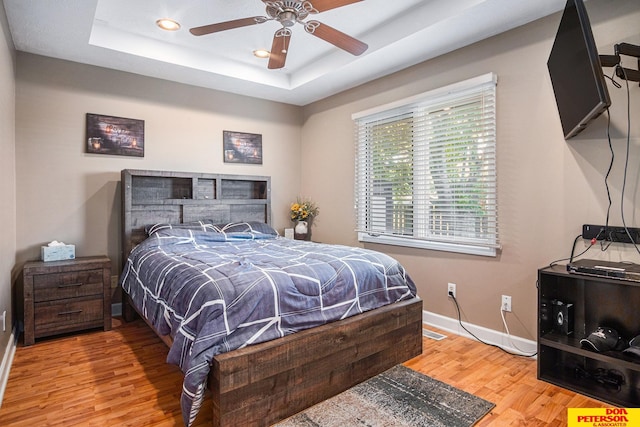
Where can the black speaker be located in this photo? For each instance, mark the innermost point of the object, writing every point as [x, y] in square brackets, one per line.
[562, 317]
[546, 321]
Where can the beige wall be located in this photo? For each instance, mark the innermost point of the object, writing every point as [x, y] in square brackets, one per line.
[547, 187]
[7, 175]
[67, 195]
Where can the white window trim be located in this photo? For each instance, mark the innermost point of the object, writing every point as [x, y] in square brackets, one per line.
[419, 243]
[427, 244]
[435, 93]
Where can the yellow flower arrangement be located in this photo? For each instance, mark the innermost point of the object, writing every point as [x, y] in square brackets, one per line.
[303, 210]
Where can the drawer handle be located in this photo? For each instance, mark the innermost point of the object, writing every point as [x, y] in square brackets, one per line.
[71, 285]
[70, 312]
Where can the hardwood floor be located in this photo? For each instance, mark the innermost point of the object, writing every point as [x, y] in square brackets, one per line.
[120, 378]
[508, 381]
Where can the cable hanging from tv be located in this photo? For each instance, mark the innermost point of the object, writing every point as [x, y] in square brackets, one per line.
[614, 61]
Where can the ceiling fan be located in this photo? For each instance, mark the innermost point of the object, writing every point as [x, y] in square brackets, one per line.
[288, 13]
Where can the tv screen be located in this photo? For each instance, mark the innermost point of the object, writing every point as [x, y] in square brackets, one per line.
[575, 70]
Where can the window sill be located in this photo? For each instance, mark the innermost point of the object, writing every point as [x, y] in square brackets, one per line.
[424, 244]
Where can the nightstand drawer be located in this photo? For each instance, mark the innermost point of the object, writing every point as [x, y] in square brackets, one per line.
[48, 287]
[65, 296]
[66, 315]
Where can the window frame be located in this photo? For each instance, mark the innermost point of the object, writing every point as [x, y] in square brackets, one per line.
[431, 97]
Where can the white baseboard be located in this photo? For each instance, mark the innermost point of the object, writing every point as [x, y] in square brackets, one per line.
[7, 360]
[512, 344]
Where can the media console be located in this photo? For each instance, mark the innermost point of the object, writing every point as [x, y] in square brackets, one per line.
[613, 376]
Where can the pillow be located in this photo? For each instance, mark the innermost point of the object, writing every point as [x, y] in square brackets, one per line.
[196, 225]
[246, 227]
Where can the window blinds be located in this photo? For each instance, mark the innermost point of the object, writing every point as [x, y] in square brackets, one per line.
[426, 167]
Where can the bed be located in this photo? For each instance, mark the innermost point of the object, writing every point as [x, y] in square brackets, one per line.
[276, 372]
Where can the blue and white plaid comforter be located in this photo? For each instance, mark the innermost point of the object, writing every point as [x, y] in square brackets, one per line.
[215, 292]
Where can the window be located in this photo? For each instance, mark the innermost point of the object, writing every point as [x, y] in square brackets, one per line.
[426, 170]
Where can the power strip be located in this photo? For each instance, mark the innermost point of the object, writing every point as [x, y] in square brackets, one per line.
[612, 233]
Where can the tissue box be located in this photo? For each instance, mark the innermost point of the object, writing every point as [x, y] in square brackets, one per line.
[57, 253]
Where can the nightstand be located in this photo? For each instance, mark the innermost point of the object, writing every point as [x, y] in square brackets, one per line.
[66, 296]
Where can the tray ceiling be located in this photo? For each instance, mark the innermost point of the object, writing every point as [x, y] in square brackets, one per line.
[122, 35]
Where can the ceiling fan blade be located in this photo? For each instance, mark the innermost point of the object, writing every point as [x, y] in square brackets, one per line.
[227, 25]
[279, 48]
[336, 38]
[322, 5]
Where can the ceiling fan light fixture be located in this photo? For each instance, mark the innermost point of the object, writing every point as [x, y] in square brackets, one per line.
[168, 24]
[287, 18]
[261, 53]
[289, 13]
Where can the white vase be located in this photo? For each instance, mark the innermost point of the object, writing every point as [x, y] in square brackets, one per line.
[302, 231]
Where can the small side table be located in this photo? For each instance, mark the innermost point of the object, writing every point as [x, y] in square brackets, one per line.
[66, 296]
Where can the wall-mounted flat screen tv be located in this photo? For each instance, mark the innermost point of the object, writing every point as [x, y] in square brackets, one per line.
[575, 70]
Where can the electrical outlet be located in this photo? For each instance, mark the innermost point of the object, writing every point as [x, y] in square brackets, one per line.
[451, 290]
[114, 282]
[506, 303]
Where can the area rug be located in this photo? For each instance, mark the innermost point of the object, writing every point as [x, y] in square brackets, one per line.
[397, 397]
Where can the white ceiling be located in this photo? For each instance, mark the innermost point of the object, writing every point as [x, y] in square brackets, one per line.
[122, 35]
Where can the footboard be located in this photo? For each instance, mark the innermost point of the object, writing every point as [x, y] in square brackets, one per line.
[265, 383]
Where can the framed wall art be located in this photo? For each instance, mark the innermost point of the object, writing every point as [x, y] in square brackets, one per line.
[240, 147]
[114, 135]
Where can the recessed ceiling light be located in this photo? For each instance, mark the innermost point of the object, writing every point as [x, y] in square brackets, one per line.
[261, 53]
[168, 24]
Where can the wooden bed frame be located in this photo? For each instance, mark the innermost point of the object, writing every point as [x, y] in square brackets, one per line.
[262, 384]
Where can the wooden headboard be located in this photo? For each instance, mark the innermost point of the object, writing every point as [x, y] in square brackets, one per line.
[150, 197]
